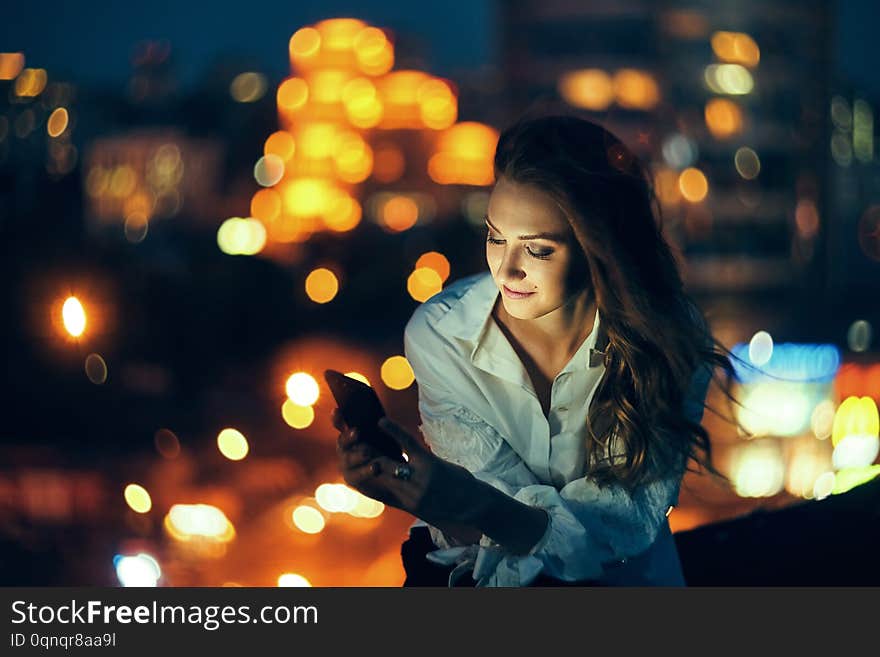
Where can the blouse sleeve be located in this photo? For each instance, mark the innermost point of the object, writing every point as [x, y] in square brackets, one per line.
[589, 526]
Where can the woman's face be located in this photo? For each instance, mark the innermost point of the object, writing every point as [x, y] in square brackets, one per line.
[530, 248]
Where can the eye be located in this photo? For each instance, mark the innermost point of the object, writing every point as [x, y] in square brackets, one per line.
[492, 240]
[541, 255]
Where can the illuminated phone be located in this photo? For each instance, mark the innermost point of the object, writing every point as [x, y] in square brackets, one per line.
[361, 409]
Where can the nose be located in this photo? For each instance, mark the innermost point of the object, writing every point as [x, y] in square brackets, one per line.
[511, 267]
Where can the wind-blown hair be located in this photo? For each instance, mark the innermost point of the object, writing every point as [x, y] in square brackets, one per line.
[657, 337]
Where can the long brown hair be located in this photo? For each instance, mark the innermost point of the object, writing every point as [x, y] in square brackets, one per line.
[656, 336]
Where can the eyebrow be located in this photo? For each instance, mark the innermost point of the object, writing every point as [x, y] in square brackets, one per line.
[553, 237]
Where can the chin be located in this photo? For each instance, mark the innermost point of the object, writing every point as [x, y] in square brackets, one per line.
[521, 310]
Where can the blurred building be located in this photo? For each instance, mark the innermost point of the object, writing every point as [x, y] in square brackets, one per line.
[135, 178]
[728, 100]
[854, 177]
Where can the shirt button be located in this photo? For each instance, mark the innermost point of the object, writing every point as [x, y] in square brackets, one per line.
[562, 409]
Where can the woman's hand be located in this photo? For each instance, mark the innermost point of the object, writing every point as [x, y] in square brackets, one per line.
[436, 491]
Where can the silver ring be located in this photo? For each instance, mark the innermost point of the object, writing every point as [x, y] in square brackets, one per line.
[403, 471]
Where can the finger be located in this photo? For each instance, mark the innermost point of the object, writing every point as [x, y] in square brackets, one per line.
[357, 456]
[378, 471]
[336, 419]
[402, 437]
[347, 438]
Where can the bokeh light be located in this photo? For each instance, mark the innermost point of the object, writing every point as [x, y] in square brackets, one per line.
[760, 348]
[302, 389]
[357, 376]
[322, 285]
[396, 373]
[248, 87]
[167, 443]
[436, 261]
[74, 316]
[293, 580]
[141, 570]
[280, 143]
[732, 79]
[859, 334]
[747, 162]
[292, 94]
[736, 47]
[96, 369]
[724, 118]
[57, 122]
[268, 170]
[137, 498]
[693, 185]
[336, 498]
[187, 522]
[590, 88]
[308, 519]
[232, 444]
[296, 416]
[423, 283]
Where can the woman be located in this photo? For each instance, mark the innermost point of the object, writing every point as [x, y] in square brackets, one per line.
[560, 392]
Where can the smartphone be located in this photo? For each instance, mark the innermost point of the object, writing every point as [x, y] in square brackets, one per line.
[361, 409]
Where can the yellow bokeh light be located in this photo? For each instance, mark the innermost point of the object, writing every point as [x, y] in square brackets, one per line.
[724, 118]
[464, 155]
[339, 33]
[308, 519]
[396, 373]
[186, 522]
[366, 507]
[423, 283]
[123, 181]
[138, 498]
[436, 261]
[266, 205]
[280, 143]
[232, 444]
[636, 89]
[305, 43]
[856, 416]
[302, 389]
[296, 416]
[357, 376]
[343, 214]
[293, 580]
[30, 82]
[11, 64]
[305, 197]
[736, 47]
[400, 213]
[693, 185]
[590, 89]
[57, 123]
[336, 498]
[292, 94]
[237, 236]
[321, 285]
[732, 79]
[74, 316]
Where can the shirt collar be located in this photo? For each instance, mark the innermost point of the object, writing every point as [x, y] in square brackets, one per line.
[470, 318]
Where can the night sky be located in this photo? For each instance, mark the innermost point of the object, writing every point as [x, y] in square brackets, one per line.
[92, 41]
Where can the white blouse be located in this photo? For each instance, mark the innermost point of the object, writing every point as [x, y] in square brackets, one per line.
[479, 409]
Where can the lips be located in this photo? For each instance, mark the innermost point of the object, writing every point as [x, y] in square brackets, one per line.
[513, 294]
